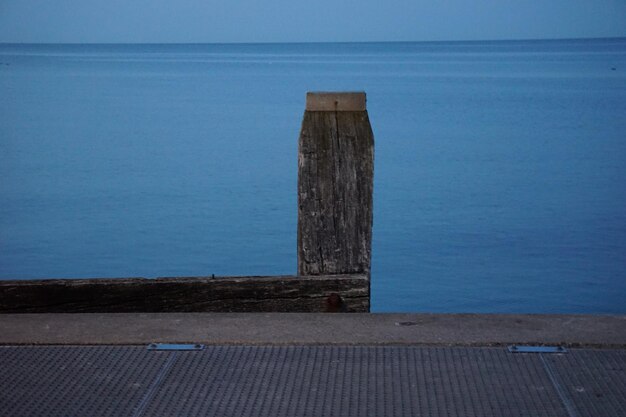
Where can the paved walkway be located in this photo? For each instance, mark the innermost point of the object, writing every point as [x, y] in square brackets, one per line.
[311, 365]
[314, 328]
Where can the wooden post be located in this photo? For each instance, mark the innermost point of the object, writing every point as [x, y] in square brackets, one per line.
[335, 185]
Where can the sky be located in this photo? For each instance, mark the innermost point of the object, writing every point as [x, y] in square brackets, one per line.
[200, 21]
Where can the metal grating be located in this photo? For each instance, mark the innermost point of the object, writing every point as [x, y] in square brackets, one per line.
[75, 381]
[593, 381]
[356, 381]
[310, 381]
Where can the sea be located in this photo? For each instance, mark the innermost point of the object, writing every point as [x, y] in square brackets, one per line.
[500, 166]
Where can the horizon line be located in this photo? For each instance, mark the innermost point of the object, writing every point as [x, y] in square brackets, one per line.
[322, 42]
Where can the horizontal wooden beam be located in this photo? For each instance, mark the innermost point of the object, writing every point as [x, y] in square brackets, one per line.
[321, 293]
[331, 101]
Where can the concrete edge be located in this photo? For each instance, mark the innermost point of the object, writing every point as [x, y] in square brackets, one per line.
[287, 344]
[284, 329]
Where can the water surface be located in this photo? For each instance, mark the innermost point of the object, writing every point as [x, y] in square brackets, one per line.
[499, 176]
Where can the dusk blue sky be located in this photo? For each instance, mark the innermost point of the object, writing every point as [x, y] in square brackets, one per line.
[306, 20]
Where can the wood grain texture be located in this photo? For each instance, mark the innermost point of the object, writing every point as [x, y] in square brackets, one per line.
[335, 186]
[194, 294]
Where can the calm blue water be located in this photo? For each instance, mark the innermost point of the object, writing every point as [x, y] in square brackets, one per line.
[500, 175]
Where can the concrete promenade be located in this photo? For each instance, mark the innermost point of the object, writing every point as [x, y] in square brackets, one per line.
[288, 364]
[313, 328]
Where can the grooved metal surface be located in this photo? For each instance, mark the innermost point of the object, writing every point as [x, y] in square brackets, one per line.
[593, 380]
[69, 381]
[310, 381]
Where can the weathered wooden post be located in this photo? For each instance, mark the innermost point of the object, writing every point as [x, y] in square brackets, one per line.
[335, 185]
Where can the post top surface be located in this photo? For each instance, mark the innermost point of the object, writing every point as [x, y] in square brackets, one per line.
[335, 101]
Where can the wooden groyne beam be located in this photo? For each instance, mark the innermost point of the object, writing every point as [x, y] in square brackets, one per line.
[193, 294]
[335, 184]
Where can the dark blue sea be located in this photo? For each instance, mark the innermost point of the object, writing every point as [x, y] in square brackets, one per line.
[500, 170]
